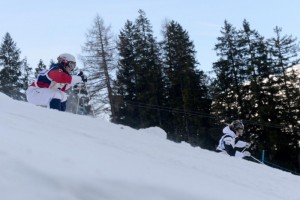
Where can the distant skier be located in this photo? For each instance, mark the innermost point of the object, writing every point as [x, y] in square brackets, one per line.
[230, 143]
[49, 88]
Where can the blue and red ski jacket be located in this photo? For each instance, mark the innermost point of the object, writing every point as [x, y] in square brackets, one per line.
[55, 75]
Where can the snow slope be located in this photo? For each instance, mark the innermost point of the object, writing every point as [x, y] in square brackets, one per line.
[50, 155]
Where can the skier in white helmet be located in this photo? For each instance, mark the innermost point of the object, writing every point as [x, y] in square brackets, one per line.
[230, 143]
[49, 88]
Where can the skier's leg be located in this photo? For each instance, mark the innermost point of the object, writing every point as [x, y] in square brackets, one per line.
[44, 97]
[39, 96]
[59, 100]
[55, 104]
[63, 106]
[63, 101]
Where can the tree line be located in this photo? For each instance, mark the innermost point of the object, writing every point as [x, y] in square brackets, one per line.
[142, 82]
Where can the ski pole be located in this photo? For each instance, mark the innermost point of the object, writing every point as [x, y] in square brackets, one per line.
[90, 99]
[257, 160]
[244, 149]
[78, 99]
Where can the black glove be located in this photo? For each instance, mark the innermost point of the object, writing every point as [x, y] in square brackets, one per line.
[247, 145]
[83, 77]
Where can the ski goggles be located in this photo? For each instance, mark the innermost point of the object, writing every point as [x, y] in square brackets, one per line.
[72, 65]
[240, 131]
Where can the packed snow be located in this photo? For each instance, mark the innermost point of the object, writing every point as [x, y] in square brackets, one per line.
[51, 155]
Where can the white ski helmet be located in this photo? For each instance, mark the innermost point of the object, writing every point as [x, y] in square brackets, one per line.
[66, 58]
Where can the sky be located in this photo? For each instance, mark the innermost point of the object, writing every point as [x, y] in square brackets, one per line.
[44, 29]
[47, 154]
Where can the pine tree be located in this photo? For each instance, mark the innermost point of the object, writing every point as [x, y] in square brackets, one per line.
[149, 68]
[186, 89]
[227, 85]
[99, 60]
[125, 84]
[139, 75]
[40, 67]
[26, 78]
[267, 99]
[258, 91]
[10, 65]
[284, 54]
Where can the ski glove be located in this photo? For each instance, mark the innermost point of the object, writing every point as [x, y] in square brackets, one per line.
[248, 145]
[75, 80]
[246, 154]
[83, 77]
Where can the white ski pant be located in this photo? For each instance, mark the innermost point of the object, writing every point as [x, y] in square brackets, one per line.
[43, 96]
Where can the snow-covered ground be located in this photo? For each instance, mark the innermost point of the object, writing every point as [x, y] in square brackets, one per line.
[50, 155]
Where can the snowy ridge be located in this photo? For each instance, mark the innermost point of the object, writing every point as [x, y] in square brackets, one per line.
[50, 155]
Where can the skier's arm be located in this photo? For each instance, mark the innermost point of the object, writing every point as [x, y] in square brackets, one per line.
[241, 144]
[59, 76]
[232, 150]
